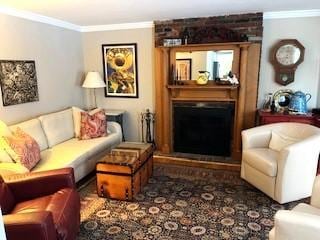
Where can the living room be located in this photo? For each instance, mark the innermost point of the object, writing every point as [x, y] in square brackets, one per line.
[65, 39]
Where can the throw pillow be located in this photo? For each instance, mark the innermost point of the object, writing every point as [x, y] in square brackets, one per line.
[12, 168]
[22, 148]
[279, 141]
[93, 125]
[77, 118]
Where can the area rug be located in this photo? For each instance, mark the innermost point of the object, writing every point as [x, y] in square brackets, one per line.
[181, 203]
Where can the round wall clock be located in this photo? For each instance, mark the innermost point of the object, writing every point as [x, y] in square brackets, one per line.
[285, 57]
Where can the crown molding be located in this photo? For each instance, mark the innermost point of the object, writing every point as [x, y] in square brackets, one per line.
[39, 18]
[120, 26]
[292, 14]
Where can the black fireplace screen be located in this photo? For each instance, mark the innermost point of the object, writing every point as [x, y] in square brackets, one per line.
[203, 128]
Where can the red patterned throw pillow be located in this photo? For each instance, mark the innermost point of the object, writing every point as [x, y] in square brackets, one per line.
[22, 148]
[93, 126]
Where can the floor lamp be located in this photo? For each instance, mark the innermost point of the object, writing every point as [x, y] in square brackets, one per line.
[93, 80]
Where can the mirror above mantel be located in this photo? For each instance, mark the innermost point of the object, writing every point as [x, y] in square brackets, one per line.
[217, 63]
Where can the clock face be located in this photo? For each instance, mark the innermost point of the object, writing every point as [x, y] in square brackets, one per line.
[288, 54]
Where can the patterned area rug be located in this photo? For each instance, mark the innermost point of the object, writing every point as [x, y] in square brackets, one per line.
[181, 203]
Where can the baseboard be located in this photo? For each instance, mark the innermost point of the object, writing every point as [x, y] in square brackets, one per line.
[195, 163]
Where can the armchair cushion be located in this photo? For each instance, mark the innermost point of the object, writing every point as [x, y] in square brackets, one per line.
[44, 205]
[64, 205]
[263, 160]
[30, 226]
[279, 141]
[306, 208]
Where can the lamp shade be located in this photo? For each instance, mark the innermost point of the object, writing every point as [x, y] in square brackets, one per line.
[93, 80]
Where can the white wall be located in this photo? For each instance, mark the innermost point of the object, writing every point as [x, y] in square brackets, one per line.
[59, 64]
[92, 51]
[307, 76]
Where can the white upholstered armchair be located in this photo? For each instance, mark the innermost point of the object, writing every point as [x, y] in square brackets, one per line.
[281, 159]
[302, 223]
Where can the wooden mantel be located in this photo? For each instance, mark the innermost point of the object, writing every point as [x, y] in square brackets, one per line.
[245, 66]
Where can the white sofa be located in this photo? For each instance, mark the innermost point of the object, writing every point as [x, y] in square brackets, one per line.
[281, 159]
[302, 223]
[56, 135]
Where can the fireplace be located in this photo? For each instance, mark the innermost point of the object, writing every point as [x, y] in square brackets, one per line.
[203, 127]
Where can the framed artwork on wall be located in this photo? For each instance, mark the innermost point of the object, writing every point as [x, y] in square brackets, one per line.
[183, 68]
[18, 80]
[120, 70]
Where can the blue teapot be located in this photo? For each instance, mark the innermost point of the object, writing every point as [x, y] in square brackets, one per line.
[298, 102]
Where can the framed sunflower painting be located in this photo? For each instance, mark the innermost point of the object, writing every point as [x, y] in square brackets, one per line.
[120, 70]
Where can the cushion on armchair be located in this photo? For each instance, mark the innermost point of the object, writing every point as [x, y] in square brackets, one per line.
[279, 141]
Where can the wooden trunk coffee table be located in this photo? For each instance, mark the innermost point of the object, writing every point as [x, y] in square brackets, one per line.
[122, 173]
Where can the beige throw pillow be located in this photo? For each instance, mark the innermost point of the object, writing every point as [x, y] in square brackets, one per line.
[279, 141]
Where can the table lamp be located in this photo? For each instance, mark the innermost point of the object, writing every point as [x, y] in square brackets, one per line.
[93, 80]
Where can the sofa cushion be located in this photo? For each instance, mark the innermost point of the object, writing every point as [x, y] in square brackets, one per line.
[74, 152]
[4, 129]
[58, 126]
[9, 168]
[4, 156]
[76, 112]
[262, 159]
[34, 129]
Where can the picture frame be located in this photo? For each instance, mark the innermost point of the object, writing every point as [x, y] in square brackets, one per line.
[120, 70]
[18, 81]
[183, 69]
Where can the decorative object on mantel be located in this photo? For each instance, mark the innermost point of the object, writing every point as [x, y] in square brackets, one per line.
[203, 78]
[18, 80]
[298, 103]
[120, 70]
[286, 55]
[230, 80]
[169, 42]
[147, 126]
[93, 80]
[183, 69]
[211, 34]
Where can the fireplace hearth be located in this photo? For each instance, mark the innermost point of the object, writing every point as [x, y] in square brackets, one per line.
[203, 127]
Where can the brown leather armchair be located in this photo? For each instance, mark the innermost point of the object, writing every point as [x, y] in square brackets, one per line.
[40, 205]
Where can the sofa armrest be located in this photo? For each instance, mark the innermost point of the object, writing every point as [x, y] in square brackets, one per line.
[296, 225]
[315, 198]
[36, 184]
[115, 127]
[30, 226]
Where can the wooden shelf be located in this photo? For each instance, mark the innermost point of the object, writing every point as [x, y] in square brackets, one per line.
[208, 86]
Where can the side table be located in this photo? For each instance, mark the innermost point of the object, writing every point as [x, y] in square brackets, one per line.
[116, 115]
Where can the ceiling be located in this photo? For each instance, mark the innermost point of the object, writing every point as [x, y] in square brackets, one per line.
[101, 12]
